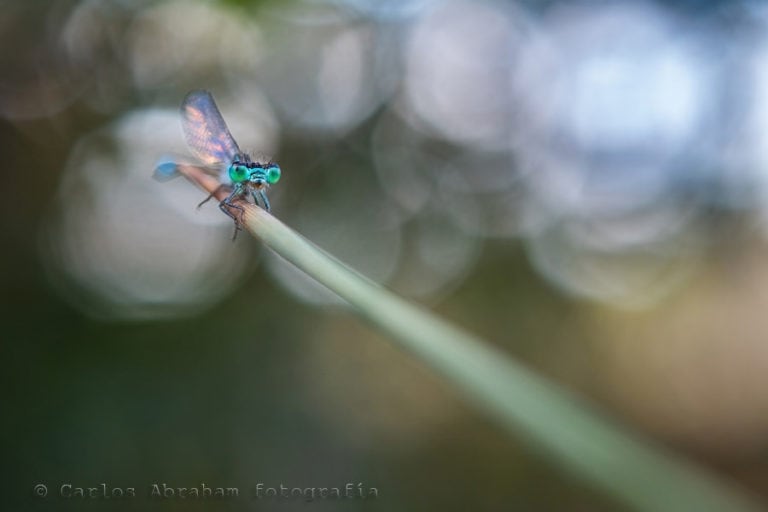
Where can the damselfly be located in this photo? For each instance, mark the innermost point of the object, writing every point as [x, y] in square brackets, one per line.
[209, 139]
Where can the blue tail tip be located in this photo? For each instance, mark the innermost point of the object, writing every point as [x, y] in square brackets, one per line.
[165, 169]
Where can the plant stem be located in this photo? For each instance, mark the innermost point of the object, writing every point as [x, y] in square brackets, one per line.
[565, 428]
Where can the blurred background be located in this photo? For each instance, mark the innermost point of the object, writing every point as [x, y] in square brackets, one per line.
[584, 184]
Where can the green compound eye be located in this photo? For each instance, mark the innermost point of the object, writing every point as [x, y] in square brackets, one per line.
[238, 173]
[273, 174]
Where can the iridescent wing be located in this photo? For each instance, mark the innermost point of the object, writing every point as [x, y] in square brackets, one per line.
[207, 134]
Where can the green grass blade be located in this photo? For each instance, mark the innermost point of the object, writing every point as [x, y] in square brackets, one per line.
[566, 429]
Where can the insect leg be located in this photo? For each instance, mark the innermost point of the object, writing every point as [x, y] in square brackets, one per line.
[264, 200]
[211, 195]
[227, 203]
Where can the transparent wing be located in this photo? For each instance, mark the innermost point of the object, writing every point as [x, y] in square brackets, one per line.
[207, 134]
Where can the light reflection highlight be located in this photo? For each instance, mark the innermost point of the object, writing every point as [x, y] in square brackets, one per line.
[459, 62]
[615, 128]
[118, 248]
[326, 71]
[591, 130]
